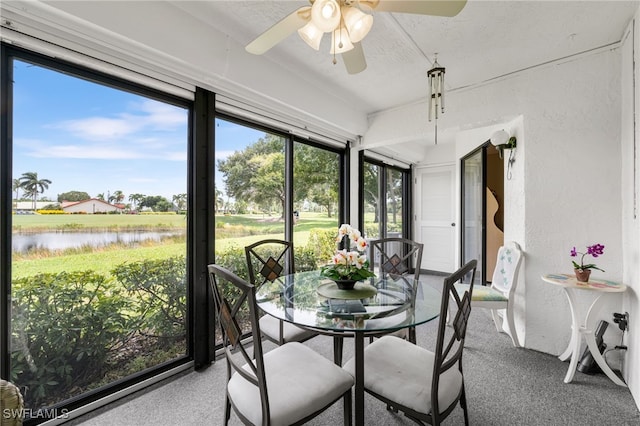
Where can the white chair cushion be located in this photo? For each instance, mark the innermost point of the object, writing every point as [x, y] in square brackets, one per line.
[299, 383]
[270, 326]
[401, 371]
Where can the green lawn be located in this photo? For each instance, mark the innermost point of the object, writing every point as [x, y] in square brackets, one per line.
[252, 227]
[96, 221]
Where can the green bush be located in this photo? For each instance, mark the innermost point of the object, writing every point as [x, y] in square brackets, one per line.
[306, 260]
[233, 258]
[64, 327]
[322, 242]
[162, 295]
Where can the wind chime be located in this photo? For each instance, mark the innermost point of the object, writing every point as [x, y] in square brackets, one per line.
[436, 93]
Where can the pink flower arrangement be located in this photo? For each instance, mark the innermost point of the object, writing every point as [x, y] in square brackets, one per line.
[594, 250]
[350, 262]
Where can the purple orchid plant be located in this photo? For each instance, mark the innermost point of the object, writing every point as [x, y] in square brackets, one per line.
[594, 250]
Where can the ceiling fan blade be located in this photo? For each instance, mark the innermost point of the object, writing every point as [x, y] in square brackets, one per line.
[429, 7]
[281, 30]
[354, 59]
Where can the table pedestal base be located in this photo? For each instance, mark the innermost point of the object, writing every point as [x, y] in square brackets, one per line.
[586, 328]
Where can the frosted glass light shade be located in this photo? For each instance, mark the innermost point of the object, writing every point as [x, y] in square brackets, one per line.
[340, 41]
[325, 14]
[357, 22]
[311, 35]
[499, 137]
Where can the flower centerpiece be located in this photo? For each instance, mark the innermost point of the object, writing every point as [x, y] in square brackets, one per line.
[581, 269]
[350, 264]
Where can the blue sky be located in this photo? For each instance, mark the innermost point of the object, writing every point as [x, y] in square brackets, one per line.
[88, 137]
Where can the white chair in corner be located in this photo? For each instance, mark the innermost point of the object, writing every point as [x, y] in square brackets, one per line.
[499, 297]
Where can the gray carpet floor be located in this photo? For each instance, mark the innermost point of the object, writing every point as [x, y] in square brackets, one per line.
[504, 385]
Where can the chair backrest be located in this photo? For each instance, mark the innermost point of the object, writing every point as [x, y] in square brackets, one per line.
[505, 276]
[395, 256]
[450, 340]
[235, 302]
[269, 259]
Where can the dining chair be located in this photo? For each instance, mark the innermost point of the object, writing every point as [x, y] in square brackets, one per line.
[287, 385]
[426, 386]
[268, 260]
[499, 297]
[397, 257]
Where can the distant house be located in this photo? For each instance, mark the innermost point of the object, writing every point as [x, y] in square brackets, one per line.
[28, 205]
[90, 206]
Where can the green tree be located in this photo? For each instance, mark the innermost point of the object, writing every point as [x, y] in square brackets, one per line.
[100, 196]
[30, 183]
[157, 203]
[15, 187]
[371, 187]
[73, 196]
[117, 196]
[219, 201]
[256, 174]
[136, 199]
[180, 201]
[316, 176]
[394, 193]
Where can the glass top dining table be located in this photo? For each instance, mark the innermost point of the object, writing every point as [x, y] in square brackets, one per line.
[377, 305]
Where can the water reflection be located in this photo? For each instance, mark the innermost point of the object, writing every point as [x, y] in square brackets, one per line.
[22, 243]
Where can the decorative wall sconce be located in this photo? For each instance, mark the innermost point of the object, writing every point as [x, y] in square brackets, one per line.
[501, 140]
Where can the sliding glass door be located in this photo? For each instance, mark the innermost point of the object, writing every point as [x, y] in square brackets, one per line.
[473, 219]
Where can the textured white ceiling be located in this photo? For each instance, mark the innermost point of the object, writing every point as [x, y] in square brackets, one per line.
[486, 40]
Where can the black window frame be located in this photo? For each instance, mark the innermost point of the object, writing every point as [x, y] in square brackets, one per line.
[407, 204]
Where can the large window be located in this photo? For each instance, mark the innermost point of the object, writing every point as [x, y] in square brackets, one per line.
[98, 232]
[269, 186]
[384, 199]
[316, 185]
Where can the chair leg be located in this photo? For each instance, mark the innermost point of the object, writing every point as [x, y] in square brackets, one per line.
[348, 415]
[512, 328]
[337, 350]
[497, 320]
[463, 404]
[412, 335]
[227, 409]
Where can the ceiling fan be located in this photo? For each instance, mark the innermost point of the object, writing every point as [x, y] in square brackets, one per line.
[348, 21]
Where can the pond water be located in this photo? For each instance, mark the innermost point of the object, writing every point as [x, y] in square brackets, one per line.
[22, 243]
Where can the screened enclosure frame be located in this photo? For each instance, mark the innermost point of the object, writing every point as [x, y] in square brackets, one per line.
[200, 227]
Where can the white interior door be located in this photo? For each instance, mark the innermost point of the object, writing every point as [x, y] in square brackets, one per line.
[435, 217]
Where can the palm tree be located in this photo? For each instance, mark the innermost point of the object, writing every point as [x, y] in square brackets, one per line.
[180, 200]
[219, 201]
[135, 199]
[118, 196]
[15, 187]
[33, 186]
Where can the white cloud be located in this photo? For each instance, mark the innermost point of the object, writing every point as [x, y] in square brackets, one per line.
[100, 128]
[146, 116]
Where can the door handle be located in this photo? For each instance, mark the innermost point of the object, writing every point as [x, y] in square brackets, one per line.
[453, 224]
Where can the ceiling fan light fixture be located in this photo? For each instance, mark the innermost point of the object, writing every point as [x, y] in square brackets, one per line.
[357, 22]
[325, 14]
[340, 41]
[311, 34]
